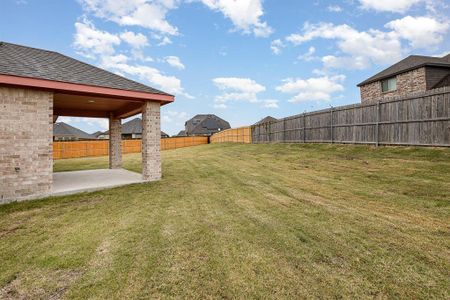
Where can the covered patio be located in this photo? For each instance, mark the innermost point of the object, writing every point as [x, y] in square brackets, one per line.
[38, 86]
[66, 183]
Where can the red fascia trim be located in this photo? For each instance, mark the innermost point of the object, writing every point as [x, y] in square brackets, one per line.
[83, 89]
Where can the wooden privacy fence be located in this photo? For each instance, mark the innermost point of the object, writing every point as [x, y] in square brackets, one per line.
[235, 135]
[419, 120]
[101, 148]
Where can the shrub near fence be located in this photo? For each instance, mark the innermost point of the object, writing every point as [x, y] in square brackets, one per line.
[419, 120]
[235, 135]
[77, 149]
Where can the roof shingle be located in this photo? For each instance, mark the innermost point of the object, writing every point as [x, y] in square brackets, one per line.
[410, 63]
[61, 129]
[17, 60]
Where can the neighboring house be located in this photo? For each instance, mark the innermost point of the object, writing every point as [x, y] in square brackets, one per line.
[97, 134]
[65, 132]
[131, 130]
[267, 119]
[411, 75]
[205, 125]
[182, 133]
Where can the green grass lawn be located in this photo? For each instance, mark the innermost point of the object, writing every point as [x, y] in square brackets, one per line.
[242, 221]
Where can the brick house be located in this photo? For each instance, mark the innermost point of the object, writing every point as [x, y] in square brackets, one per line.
[37, 86]
[411, 75]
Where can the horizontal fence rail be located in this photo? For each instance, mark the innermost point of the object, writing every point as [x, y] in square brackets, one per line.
[418, 120]
[235, 135]
[76, 149]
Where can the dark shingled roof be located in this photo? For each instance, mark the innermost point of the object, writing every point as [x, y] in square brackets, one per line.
[205, 125]
[61, 129]
[410, 63]
[182, 133]
[17, 60]
[267, 119]
[97, 133]
[134, 127]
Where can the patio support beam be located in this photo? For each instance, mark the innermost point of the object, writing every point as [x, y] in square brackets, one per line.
[115, 143]
[151, 141]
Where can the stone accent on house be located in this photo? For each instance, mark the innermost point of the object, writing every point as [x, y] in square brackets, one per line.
[151, 141]
[115, 143]
[26, 133]
[407, 83]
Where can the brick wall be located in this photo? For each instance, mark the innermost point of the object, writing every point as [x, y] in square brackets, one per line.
[115, 143]
[151, 141]
[25, 143]
[407, 83]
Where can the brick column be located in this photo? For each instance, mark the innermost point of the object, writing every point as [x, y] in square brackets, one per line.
[26, 137]
[115, 143]
[151, 141]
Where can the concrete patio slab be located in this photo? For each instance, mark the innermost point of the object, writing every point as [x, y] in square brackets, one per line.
[66, 183]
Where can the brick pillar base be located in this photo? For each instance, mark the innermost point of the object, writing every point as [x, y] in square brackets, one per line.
[151, 141]
[115, 143]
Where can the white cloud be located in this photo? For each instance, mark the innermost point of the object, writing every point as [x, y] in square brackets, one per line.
[355, 63]
[399, 6]
[165, 41]
[175, 62]
[135, 40]
[245, 15]
[312, 89]
[375, 45]
[170, 84]
[220, 106]
[276, 46]
[421, 32]
[361, 49]
[334, 8]
[308, 56]
[237, 89]
[270, 103]
[149, 14]
[88, 40]
[97, 44]
[174, 117]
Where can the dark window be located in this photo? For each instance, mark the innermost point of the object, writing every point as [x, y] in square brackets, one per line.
[389, 84]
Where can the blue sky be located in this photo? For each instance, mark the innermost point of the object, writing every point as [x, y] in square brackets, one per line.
[239, 59]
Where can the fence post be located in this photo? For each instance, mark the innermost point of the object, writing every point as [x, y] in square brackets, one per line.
[377, 129]
[331, 124]
[284, 130]
[304, 127]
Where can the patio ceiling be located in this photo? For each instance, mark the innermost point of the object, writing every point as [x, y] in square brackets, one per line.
[79, 100]
[94, 107]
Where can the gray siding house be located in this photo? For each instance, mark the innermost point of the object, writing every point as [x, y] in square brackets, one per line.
[410, 75]
[131, 130]
[65, 132]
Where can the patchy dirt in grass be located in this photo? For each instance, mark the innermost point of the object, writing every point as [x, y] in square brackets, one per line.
[39, 284]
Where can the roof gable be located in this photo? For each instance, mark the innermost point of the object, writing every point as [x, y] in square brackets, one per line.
[267, 119]
[61, 129]
[132, 127]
